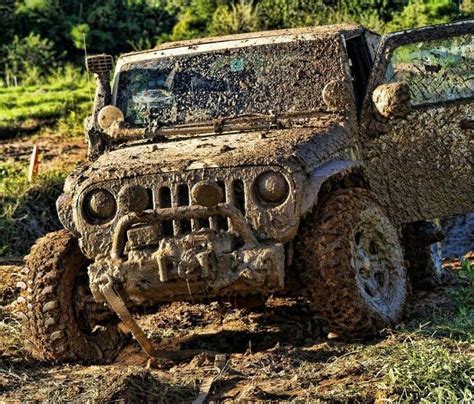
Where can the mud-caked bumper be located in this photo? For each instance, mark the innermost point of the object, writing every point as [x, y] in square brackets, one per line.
[202, 264]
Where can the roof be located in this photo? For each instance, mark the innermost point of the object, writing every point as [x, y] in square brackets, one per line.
[316, 31]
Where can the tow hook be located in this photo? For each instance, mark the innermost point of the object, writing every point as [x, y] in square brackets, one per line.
[118, 305]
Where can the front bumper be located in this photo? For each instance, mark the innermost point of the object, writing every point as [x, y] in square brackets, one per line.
[203, 264]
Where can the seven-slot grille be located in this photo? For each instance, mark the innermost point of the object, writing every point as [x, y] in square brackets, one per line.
[175, 195]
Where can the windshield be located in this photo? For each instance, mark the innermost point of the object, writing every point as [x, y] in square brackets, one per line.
[271, 79]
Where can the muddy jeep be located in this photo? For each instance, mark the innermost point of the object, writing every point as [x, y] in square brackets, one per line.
[295, 162]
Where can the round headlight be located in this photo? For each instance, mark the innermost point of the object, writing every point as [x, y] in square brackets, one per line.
[100, 205]
[272, 187]
[134, 198]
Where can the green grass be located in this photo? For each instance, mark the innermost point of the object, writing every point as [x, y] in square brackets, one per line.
[434, 361]
[58, 105]
[27, 211]
[427, 369]
[62, 101]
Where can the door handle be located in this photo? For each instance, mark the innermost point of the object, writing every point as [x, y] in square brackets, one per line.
[467, 123]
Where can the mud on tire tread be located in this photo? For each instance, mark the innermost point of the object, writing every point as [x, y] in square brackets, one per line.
[323, 260]
[47, 309]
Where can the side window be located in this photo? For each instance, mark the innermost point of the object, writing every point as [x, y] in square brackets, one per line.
[436, 71]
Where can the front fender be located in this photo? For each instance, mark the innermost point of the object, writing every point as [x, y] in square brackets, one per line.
[335, 170]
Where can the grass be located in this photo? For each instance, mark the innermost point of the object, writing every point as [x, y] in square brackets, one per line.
[416, 368]
[62, 101]
[27, 211]
[56, 107]
[433, 362]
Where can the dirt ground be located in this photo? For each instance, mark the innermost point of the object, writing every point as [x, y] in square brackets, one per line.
[56, 151]
[277, 352]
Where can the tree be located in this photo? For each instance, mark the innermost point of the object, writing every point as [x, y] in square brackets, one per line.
[7, 11]
[28, 58]
[424, 12]
[112, 26]
[233, 19]
[194, 16]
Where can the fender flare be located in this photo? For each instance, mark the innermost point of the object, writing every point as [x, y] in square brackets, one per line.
[334, 170]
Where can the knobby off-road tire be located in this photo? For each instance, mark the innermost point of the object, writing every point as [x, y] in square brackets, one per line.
[58, 308]
[351, 264]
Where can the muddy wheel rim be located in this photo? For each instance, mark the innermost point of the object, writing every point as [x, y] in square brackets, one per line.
[377, 260]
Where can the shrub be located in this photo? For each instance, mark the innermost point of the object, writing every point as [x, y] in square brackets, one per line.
[28, 59]
[233, 19]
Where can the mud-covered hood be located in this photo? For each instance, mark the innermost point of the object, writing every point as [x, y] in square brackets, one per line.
[298, 148]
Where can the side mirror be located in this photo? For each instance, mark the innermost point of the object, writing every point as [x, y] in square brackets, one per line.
[392, 100]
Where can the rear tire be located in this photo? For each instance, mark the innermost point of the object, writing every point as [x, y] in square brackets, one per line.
[351, 263]
[62, 321]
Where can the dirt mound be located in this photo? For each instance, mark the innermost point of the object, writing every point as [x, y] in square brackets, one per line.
[30, 216]
[28, 212]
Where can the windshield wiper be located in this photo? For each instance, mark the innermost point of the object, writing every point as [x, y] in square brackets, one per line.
[249, 121]
[217, 122]
[241, 123]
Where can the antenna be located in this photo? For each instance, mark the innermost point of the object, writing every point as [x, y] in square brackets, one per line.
[87, 70]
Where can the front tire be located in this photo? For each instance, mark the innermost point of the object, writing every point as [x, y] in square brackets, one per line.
[351, 263]
[62, 321]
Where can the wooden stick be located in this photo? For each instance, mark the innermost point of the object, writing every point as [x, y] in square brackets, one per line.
[34, 164]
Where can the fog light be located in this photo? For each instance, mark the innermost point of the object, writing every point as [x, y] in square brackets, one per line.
[108, 115]
[272, 187]
[206, 193]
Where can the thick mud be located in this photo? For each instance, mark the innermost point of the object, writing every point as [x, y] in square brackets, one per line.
[273, 352]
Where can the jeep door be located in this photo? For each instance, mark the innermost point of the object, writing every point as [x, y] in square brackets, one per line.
[418, 135]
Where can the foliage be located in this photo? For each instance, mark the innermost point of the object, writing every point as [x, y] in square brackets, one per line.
[420, 12]
[193, 18]
[65, 96]
[46, 30]
[239, 17]
[296, 13]
[102, 25]
[28, 59]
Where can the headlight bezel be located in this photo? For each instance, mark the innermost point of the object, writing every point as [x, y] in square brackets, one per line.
[271, 188]
[98, 214]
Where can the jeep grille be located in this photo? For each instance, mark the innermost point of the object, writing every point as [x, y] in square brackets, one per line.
[174, 195]
[173, 189]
